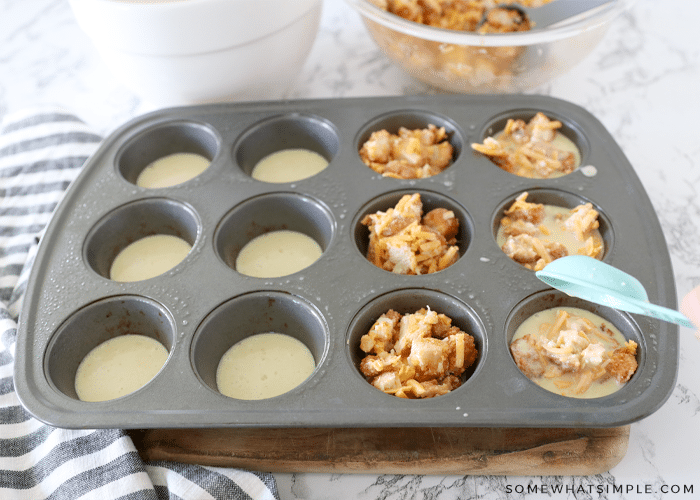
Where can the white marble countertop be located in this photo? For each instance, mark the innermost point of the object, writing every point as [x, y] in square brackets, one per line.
[639, 82]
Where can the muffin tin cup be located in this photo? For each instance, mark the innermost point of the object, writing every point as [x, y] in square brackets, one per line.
[134, 221]
[163, 140]
[272, 212]
[288, 131]
[408, 301]
[430, 201]
[97, 323]
[549, 299]
[251, 314]
[559, 198]
[329, 304]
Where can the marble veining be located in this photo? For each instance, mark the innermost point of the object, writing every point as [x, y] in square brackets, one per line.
[639, 82]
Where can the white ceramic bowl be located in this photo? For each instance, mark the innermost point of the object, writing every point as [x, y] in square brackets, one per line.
[180, 52]
[468, 62]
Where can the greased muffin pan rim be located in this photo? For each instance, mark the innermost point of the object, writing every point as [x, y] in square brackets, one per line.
[332, 395]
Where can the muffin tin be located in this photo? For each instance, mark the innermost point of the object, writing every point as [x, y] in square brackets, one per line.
[202, 306]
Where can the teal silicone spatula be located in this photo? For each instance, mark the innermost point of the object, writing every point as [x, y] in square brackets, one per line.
[596, 281]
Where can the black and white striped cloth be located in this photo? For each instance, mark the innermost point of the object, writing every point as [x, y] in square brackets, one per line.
[41, 152]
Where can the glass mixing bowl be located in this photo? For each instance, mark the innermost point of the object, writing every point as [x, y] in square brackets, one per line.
[468, 62]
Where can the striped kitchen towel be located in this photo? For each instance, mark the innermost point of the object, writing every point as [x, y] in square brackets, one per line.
[41, 152]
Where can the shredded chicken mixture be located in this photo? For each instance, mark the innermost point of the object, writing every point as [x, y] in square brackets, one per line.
[483, 16]
[529, 241]
[412, 154]
[575, 354]
[527, 149]
[419, 355]
[404, 241]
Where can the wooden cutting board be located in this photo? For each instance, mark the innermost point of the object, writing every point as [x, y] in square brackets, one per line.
[435, 450]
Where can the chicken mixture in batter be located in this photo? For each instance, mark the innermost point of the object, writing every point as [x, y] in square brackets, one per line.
[574, 353]
[533, 149]
[419, 355]
[412, 154]
[404, 241]
[534, 234]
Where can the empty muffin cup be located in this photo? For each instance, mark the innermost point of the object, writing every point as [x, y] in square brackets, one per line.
[141, 239]
[107, 320]
[247, 317]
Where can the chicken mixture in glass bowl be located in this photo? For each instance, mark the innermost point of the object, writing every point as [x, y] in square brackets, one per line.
[447, 44]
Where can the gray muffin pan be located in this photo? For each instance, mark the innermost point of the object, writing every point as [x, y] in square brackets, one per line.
[203, 306]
